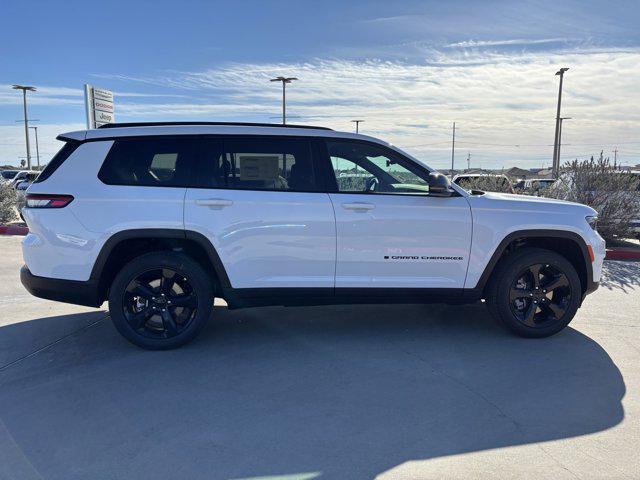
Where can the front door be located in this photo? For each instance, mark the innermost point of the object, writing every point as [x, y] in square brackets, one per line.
[258, 201]
[390, 233]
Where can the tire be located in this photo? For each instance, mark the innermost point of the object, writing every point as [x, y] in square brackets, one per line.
[161, 300]
[512, 295]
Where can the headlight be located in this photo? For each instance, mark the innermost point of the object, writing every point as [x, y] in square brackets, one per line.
[592, 221]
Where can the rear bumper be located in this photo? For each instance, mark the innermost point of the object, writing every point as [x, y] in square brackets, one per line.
[67, 291]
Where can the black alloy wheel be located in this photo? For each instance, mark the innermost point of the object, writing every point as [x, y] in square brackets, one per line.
[540, 295]
[161, 300]
[534, 292]
[159, 303]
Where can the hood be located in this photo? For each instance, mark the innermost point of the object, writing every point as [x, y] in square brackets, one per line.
[537, 204]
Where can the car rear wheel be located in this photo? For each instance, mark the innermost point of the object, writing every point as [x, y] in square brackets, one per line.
[161, 300]
[534, 292]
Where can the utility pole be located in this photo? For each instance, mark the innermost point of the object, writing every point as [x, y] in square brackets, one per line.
[468, 161]
[357, 122]
[562, 119]
[284, 81]
[24, 89]
[556, 141]
[453, 148]
[615, 156]
[35, 129]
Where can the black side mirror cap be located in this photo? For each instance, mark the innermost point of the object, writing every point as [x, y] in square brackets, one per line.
[439, 185]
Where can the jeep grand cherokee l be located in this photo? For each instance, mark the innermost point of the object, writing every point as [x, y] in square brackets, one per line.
[158, 219]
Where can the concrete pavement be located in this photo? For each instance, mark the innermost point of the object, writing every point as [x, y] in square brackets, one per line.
[388, 392]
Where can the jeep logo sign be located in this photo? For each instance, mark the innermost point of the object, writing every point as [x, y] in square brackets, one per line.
[99, 105]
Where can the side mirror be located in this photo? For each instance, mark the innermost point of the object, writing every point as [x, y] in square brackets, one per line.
[439, 185]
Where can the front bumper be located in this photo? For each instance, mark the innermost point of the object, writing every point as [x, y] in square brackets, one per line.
[67, 291]
[591, 287]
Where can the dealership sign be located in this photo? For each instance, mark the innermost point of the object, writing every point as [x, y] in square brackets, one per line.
[99, 105]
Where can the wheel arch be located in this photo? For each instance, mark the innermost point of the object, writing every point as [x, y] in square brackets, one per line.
[125, 245]
[568, 244]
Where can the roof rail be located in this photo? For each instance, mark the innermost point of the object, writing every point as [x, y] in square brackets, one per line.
[240, 124]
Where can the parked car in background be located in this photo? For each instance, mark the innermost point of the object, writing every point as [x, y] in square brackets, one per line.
[21, 191]
[487, 182]
[518, 185]
[8, 175]
[534, 186]
[22, 175]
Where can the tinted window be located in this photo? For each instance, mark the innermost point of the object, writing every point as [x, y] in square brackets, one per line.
[369, 168]
[149, 162]
[259, 163]
[59, 158]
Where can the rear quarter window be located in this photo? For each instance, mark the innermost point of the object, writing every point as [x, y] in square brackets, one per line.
[59, 158]
[149, 162]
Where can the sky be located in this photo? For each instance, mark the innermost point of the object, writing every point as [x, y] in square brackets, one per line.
[408, 68]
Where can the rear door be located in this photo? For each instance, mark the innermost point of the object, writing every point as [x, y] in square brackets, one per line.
[260, 202]
[390, 233]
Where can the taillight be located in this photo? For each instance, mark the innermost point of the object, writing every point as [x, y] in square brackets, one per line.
[44, 200]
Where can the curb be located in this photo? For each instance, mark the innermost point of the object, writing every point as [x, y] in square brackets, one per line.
[13, 230]
[622, 254]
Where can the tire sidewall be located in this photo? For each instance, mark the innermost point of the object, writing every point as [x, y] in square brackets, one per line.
[183, 265]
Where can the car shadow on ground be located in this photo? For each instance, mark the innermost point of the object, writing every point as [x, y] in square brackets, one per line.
[325, 392]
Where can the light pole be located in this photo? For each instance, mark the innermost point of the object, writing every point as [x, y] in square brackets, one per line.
[24, 89]
[284, 81]
[35, 129]
[560, 141]
[453, 148]
[556, 141]
[357, 122]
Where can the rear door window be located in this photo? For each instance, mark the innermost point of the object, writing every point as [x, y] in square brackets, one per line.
[150, 162]
[258, 163]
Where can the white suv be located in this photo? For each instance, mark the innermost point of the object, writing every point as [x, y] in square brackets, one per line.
[158, 219]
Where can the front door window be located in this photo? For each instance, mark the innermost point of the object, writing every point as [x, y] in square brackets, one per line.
[366, 168]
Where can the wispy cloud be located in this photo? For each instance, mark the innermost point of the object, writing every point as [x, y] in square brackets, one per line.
[501, 43]
[391, 19]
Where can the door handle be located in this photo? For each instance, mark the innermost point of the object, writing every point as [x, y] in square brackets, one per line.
[358, 206]
[214, 202]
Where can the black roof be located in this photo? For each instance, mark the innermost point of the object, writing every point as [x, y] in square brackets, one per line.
[241, 124]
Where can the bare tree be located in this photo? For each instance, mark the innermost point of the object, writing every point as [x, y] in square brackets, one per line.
[603, 186]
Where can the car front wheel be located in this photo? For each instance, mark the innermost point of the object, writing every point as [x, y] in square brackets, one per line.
[161, 300]
[534, 292]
